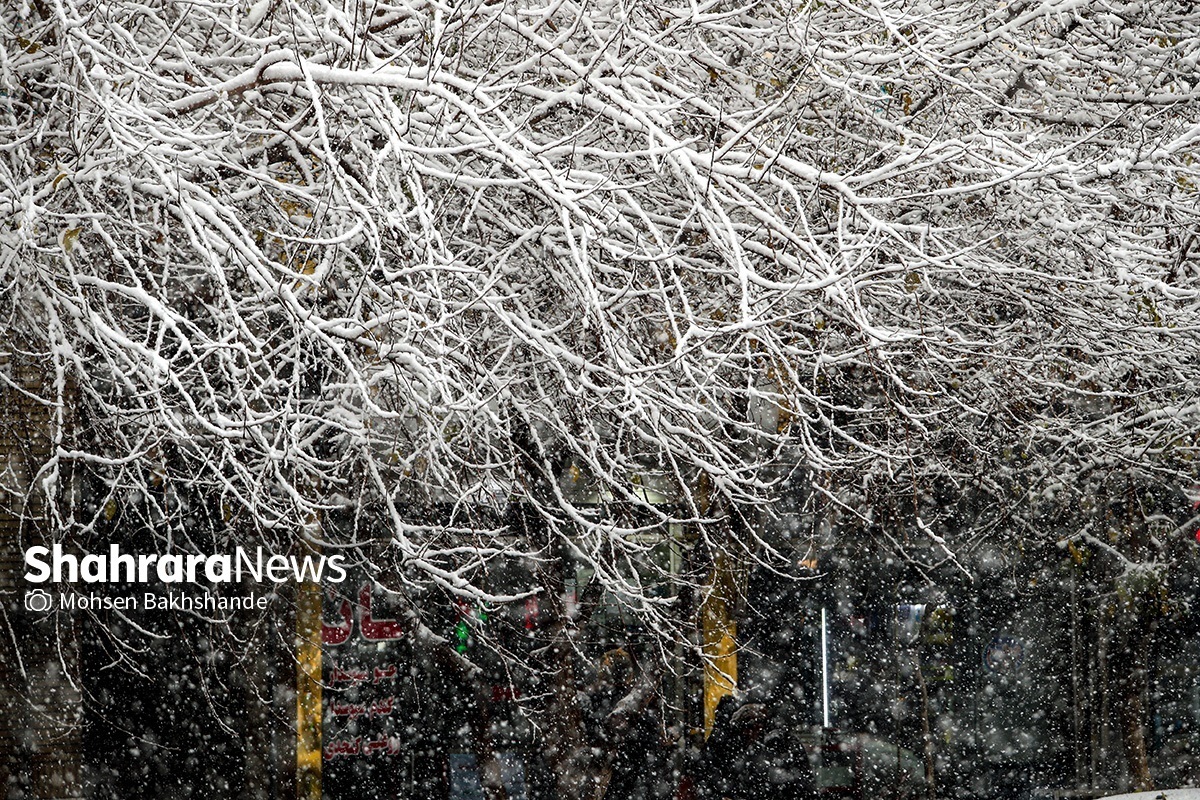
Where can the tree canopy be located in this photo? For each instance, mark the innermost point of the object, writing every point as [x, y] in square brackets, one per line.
[300, 256]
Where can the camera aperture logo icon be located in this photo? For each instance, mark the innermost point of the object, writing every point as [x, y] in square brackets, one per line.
[39, 600]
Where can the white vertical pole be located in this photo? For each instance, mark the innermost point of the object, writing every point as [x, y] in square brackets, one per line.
[824, 669]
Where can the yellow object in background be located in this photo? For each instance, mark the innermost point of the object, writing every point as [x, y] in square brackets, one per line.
[308, 691]
[719, 630]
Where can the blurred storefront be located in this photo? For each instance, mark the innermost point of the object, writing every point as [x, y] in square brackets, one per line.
[1001, 678]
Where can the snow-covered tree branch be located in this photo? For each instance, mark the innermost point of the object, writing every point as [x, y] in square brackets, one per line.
[305, 256]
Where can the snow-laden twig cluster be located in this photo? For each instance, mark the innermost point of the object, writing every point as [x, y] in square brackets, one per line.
[625, 263]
